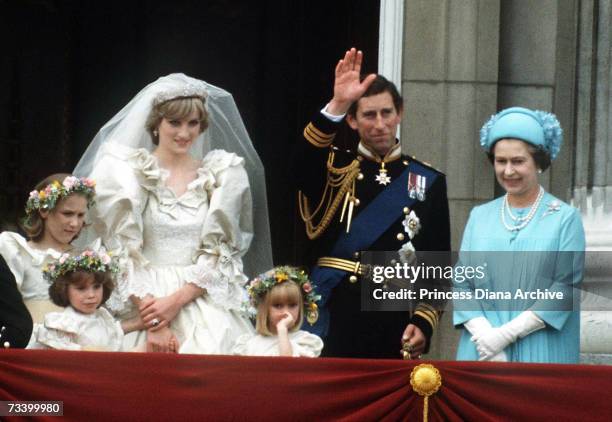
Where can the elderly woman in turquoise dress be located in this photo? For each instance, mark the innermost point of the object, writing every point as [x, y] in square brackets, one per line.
[525, 241]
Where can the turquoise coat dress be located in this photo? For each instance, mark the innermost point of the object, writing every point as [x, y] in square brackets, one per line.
[512, 261]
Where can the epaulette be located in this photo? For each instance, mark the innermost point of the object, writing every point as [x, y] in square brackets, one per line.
[426, 164]
[340, 158]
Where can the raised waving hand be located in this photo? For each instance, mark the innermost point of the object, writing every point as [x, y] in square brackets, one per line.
[348, 87]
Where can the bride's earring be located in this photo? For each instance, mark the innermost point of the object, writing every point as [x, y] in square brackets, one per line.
[539, 170]
[156, 133]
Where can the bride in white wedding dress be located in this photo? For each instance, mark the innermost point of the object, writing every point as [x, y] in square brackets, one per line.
[180, 214]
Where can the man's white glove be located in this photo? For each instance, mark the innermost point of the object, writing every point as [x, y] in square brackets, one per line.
[478, 327]
[495, 340]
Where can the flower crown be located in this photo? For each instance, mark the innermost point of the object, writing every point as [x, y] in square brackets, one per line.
[47, 198]
[263, 283]
[88, 260]
[188, 90]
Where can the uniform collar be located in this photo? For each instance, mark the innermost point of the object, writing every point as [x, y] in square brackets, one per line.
[394, 153]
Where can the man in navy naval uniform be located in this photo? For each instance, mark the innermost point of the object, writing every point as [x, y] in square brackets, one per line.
[15, 320]
[371, 199]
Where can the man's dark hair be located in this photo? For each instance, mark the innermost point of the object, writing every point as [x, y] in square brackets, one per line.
[380, 85]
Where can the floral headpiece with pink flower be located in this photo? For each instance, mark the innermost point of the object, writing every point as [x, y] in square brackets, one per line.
[47, 198]
[263, 283]
[88, 260]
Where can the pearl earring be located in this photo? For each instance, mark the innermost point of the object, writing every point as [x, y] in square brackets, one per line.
[539, 170]
[155, 133]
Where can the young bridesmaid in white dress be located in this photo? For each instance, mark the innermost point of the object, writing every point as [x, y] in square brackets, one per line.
[81, 284]
[281, 297]
[55, 214]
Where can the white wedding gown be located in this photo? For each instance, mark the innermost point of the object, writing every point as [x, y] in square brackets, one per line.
[165, 241]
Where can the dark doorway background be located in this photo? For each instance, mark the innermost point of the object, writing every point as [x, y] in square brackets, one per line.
[68, 66]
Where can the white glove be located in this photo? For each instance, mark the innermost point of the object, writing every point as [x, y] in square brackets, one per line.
[478, 327]
[500, 357]
[491, 342]
[524, 324]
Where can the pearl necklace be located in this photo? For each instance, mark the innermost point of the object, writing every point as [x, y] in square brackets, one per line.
[509, 210]
[524, 220]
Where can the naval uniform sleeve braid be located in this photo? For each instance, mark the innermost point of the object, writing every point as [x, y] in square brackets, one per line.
[321, 131]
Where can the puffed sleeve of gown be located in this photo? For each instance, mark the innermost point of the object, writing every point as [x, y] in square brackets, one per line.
[59, 331]
[121, 174]
[227, 231]
[305, 344]
[11, 249]
[240, 347]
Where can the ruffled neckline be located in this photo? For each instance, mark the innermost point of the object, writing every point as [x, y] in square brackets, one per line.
[152, 178]
[202, 176]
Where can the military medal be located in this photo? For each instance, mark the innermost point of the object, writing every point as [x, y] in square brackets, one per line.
[416, 186]
[382, 177]
[421, 188]
[412, 185]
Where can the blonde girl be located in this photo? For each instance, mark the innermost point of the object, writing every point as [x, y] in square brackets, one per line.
[281, 297]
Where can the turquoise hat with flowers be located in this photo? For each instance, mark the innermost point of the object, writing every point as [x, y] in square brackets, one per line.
[538, 128]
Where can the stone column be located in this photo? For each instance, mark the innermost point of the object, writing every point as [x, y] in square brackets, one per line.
[536, 70]
[450, 83]
[593, 181]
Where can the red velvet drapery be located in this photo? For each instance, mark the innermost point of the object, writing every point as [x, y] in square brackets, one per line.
[134, 386]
